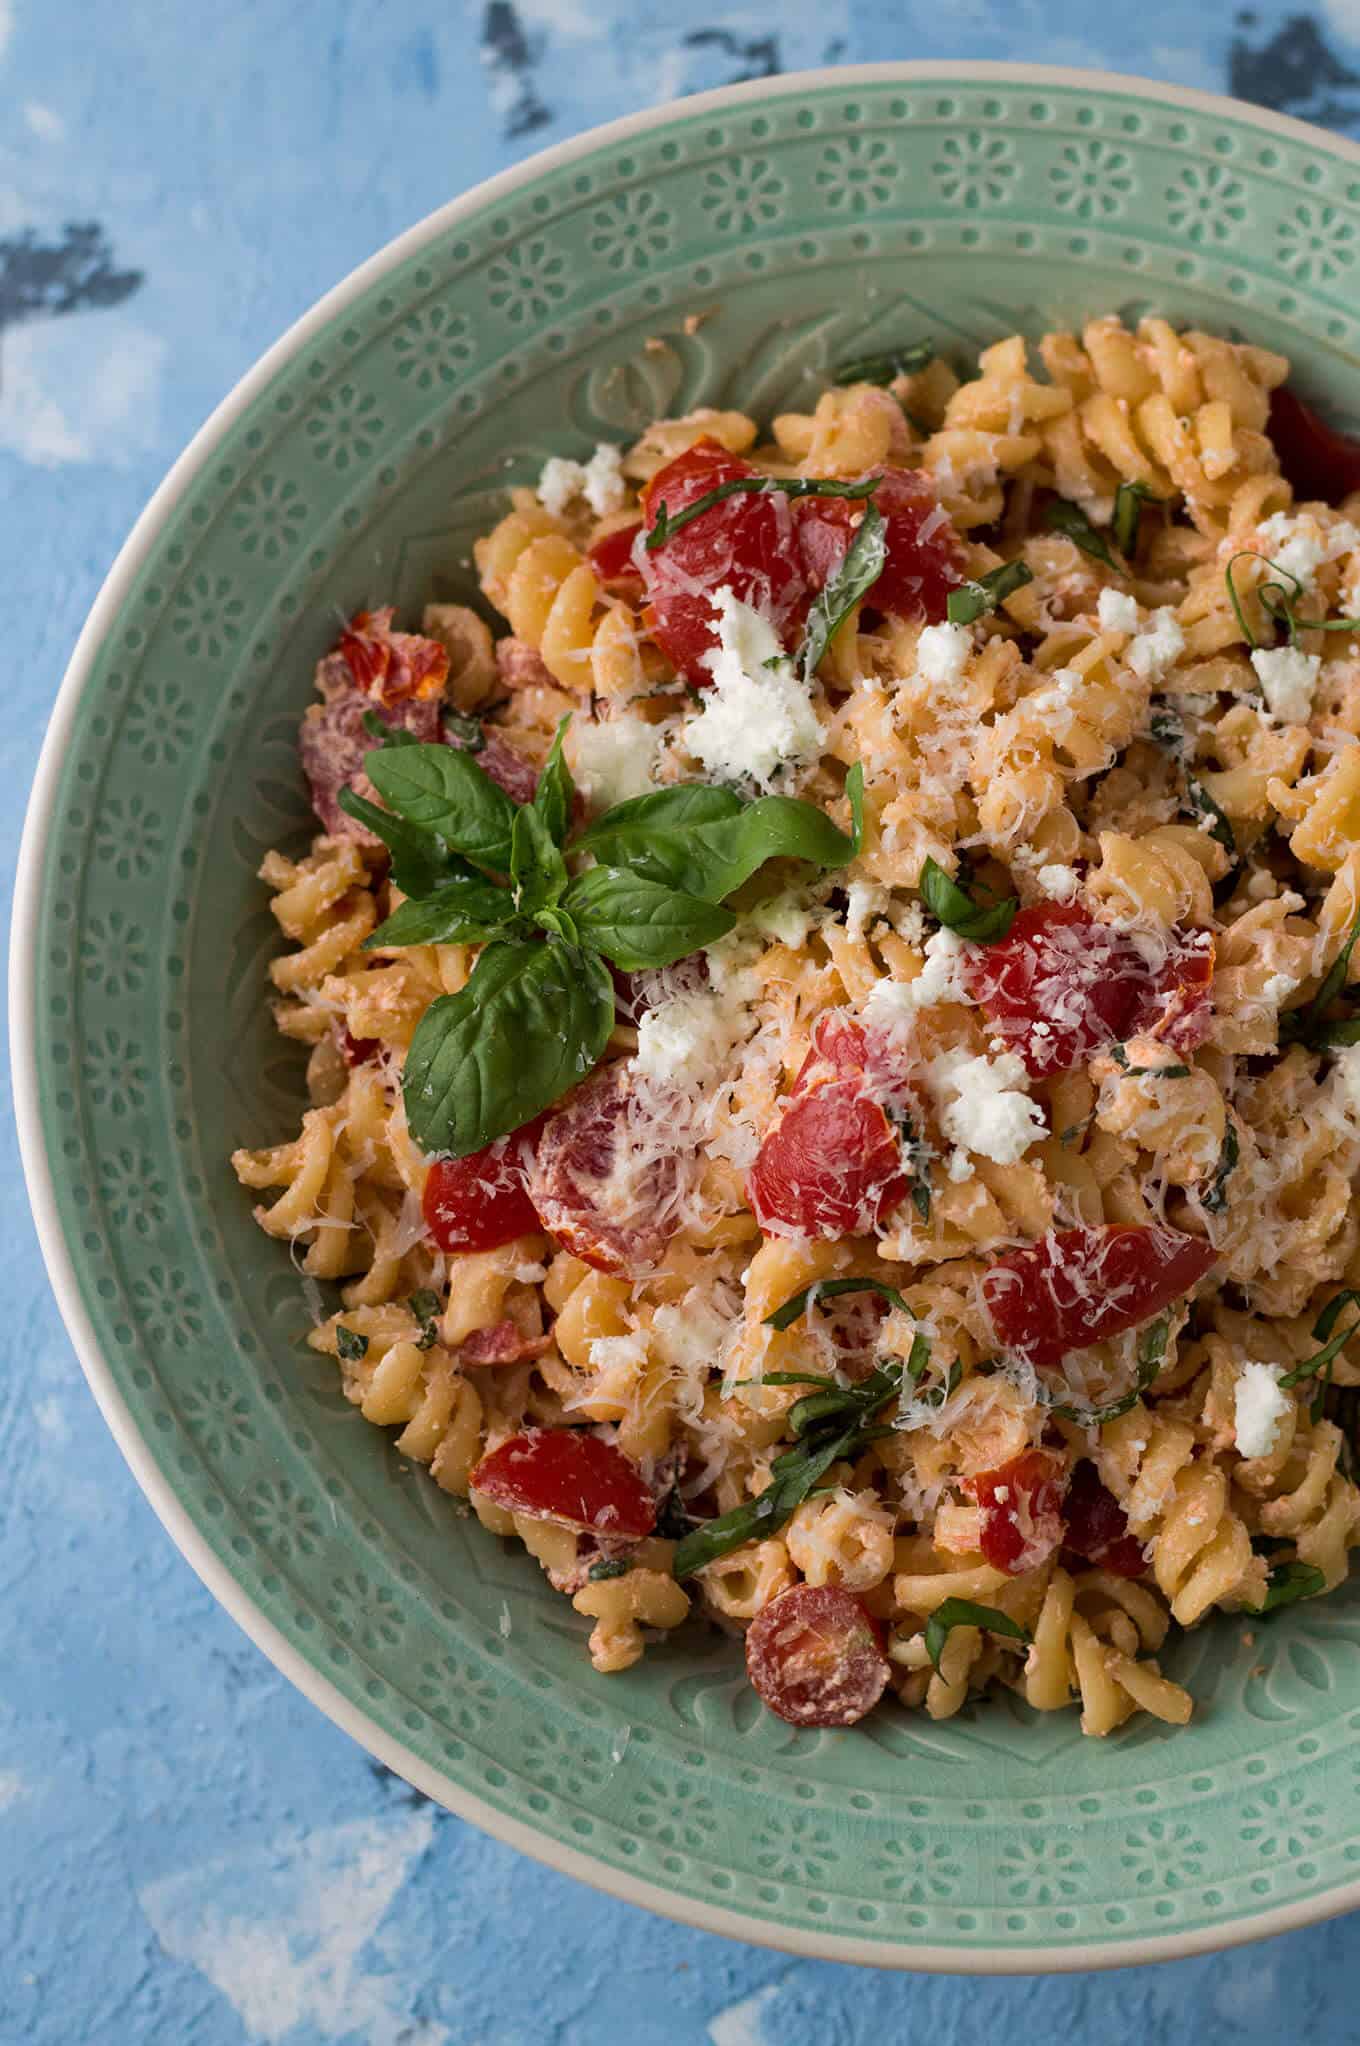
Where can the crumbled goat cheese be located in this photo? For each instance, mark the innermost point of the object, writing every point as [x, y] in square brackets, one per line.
[684, 1041]
[942, 652]
[1298, 544]
[1116, 612]
[613, 760]
[1058, 882]
[1346, 1069]
[1258, 1408]
[599, 481]
[984, 1107]
[786, 919]
[941, 978]
[1288, 678]
[1278, 988]
[758, 717]
[1154, 651]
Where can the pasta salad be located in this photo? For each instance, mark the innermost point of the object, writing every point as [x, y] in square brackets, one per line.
[834, 1058]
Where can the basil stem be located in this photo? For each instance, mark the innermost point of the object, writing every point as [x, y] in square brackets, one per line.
[1064, 517]
[965, 1612]
[974, 599]
[955, 908]
[664, 526]
[860, 570]
[882, 369]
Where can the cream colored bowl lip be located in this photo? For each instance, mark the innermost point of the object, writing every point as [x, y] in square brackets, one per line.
[37, 1168]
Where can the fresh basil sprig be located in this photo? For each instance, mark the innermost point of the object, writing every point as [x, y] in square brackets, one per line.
[1063, 516]
[860, 570]
[883, 369]
[664, 525]
[1289, 1582]
[955, 908]
[1129, 500]
[965, 1612]
[973, 600]
[1214, 1199]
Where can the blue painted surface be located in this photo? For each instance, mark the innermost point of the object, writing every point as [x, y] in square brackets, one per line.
[189, 1853]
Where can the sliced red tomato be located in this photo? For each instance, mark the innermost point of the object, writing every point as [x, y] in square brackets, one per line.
[569, 1475]
[1021, 1510]
[1061, 985]
[612, 556]
[602, 1187]
[391, 666]
[832, 1165]
[816, 1657]
[1078, 1286]
[1318, 461]
[482, 1201]
[925, 555]
[744, 543]
[1097, 1528]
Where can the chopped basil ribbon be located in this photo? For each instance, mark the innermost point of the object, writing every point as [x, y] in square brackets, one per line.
[1289, 1582]
[1129, 500]
[955, 908]
[1310, 1025]
[1319, 1365]
[608, 1566]
[1065, 517]
[1151, 1351]
[385, 734]
[349, 1344]
[467, 731]
[965, 1612]
[1277, 603]
[860, 570]
[985, 593]
[424, 1305]
[1203, 805]
[830, 1289]
[883, 369]
[663, 526]
[1121, 1059]
[479, 869]
[1215, 1197]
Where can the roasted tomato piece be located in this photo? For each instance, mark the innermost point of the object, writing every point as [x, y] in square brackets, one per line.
[1178, 1003]
[482, 1201]
[1021, 1510]
[925, 555]
[1078, 1286]
[1319, 461]
[504, 1342]
[332, 743]
[612, 556]
[392, 666]
[603, 1186]
[816, 1657]
[1058, 986]
[357, 1051]
[832, 1165]
[743, 543]
[1096, 1528]
[569, 1475]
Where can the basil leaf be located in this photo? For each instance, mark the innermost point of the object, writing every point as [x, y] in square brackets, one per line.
[538, 872]
[556, 790]
[965, 1612]
[532, 1021]
[608, 1566]
[985, 593]
[673, 809]
[860, 570]
[1063, 517]
[794, 1308]
[445, 791]
[458, 913]
[1345, 1031]
[954, 907]
[1306, 1024]
[424, 1305]
[1289, 1582]
[558, 924]
[882, 369]
[1129, 500]
[710, 856]
[349, 1344]
[1151, 1351]
[1203, 805]
[421, 862]
[385, 734]
[784, 486]
[793, 1476]
[640, 923]
[1215, 1199]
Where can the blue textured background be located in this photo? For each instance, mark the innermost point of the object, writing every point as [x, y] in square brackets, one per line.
[189, 1853]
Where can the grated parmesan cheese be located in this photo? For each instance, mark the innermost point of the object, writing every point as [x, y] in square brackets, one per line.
[758, 718]
[1288, 678]
[1058, 882]
[1259, 1406]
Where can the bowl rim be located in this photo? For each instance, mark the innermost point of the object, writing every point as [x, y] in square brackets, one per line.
[23, 1024]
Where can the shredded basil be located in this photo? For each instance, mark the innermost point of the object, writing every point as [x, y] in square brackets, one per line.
[965, 1612]
[1310, 1025]
[860, 570]
[1273, 597]
[608, 1566]
[796, 1307]
[1203, 805]
[349, 1344]
[883, 369]
[1151, 1352]
[1333, 1342]
[664, 526]
[385, 734]
[973, 600]
[1289, 1582]
[1065, 517]
[1129, 500]
[1121, 1059]
[424, 1305]
[956, 909]
[1215, 1197]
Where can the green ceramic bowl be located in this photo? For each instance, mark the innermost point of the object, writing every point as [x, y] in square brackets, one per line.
[821, 216]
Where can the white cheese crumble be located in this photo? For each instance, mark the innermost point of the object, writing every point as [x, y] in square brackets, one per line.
[1116, 612]
[1288, 678]
[1298, 544]
[1346, 1068]
[1058, 882]
[942, 652]
[941, 978]
[1259, 1406]
[984, 1106]
[758, 717]
[1278, 988]
[786, 919]
[1154, 651]
[613, 760]
[682, 1040]
[599, 481]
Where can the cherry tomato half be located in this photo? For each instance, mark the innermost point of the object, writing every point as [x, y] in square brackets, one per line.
[482, 1201]
[590, 1189]
[1078, 1286]
[832, 1165]
[816, 1657]
[1021, 1510]
[569, 1475]
[1097, 1528]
